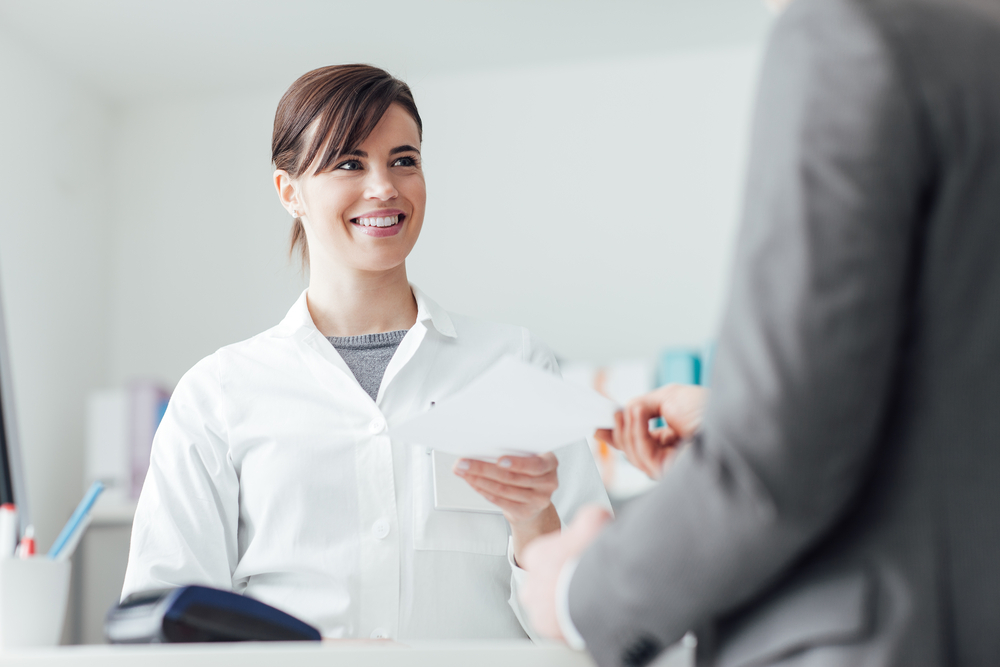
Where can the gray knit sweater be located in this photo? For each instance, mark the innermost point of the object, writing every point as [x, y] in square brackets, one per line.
[368, 356]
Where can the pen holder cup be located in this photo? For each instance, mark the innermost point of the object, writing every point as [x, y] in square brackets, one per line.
[33, 596]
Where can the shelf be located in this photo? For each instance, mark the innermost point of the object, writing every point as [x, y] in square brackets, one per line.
[113, 512]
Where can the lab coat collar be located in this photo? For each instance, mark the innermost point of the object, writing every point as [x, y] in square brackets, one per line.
[298, 317]
[429, 311]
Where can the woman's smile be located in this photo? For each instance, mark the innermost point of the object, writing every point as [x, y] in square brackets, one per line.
[364, 212]
[380, 223]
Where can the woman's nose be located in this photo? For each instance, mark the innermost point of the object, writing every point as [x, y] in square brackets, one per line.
[380, 185]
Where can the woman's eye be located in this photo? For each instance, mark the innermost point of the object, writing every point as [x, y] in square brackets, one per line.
[350, 165]
[407, 161]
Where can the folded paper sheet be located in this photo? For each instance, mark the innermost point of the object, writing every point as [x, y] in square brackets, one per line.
[512, 408]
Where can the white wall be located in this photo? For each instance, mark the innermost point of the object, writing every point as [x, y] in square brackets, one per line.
[201, 256]
[594, 203]
[54, 269]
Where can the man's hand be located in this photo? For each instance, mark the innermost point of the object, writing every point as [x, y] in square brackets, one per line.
[521, 486]
[544, 559]
[681, 406]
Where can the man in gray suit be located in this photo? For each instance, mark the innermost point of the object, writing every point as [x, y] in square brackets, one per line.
[840, 504]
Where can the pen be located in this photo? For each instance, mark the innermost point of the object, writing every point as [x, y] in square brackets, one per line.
[67, 551]
[78, 521]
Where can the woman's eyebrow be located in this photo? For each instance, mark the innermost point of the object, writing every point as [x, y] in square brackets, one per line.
[403, 149]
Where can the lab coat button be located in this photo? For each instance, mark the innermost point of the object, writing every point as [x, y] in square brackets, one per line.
[380, 633]
[380, 529]
[377, 425]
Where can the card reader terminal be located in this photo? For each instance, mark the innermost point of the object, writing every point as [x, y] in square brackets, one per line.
[200, 614]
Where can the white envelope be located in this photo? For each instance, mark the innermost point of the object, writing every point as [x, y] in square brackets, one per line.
[512, 408]
[451, 492]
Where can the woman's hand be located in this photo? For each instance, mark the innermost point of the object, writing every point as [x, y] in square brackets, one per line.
[680, 405]
[521, 486]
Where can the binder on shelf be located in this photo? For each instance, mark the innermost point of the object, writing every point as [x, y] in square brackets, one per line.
[121, 424]
[680, 366]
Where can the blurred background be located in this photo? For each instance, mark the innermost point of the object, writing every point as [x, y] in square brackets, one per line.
[584, 163]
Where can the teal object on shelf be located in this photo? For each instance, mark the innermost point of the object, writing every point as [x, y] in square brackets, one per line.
[679, 366]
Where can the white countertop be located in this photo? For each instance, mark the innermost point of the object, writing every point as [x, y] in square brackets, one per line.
[305, 654]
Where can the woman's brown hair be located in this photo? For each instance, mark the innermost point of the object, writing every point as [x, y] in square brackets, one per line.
[345, 103]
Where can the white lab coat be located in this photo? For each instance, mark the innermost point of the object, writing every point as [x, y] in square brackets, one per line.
[272, 475]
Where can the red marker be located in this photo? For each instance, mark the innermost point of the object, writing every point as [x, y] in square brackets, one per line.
[27, 548]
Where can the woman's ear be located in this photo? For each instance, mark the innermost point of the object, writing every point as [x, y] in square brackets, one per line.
[288, 193]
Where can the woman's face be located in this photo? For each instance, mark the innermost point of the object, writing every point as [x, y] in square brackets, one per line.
[366, 212]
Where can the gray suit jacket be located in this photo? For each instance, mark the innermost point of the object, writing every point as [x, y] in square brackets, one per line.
[841, 505]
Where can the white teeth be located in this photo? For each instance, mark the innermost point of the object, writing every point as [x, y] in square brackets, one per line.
[379, 222]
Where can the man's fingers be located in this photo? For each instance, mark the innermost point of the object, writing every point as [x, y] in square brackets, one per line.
[682, 407]
[663, 457]
[649, 403]
[666, 436]
[618, 435]
[605, 435]
[643, 444]
[623, 436]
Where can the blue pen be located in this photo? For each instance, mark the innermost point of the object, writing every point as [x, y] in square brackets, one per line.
[76, 521]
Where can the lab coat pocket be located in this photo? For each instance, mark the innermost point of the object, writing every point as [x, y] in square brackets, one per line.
[451, 530]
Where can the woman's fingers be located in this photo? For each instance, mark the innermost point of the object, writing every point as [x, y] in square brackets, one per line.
[523, 471]
[519, 503]
[535, 466]
[522, 486]
[643, 444]
[511, 508]
[539, 495]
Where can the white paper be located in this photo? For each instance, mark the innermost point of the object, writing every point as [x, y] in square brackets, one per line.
[512, 408]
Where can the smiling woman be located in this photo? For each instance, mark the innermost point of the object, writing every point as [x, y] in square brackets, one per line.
[273, 473]
[333, 109]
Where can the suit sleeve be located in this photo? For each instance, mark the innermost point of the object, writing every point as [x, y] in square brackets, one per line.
[810, 342]
[185, 528]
